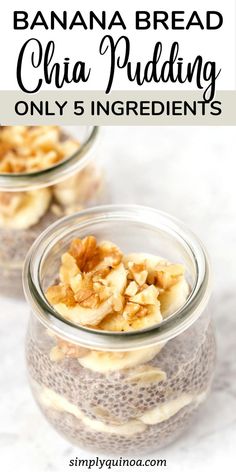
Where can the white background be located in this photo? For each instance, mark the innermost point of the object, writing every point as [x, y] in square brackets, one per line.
[189, 172]
[83, 45]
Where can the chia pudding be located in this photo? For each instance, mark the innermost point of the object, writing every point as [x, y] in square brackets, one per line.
[28, 209]
[121, 401]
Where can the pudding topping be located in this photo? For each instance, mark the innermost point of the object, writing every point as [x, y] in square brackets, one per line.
[26, 149]
[100, 287]
[29, 149]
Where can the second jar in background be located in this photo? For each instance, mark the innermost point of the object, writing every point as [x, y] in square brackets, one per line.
[46, 172]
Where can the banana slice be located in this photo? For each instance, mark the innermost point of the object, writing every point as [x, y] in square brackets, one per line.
[173, 298]
[10, 202]
[116, 279]
[117, 322]
[114, 287]
[126, 319]
[80, 187]
[126, 429]
[25, 209]
[146, 374]
[168, 409]
[69, 270]
[114, 322]
[165, 410]
[51, 399]
[103, 362]
[85, 316]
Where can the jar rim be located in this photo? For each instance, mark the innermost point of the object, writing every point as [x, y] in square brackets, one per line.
[172, 326]
[25, 181]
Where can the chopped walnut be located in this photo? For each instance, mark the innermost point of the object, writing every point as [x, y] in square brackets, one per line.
[89, 300]
[69, 268]
[65, 349]
[89, 255]
[133, 311]
[147, 296]
[98, 289]
[118, 303]
[138, 272]
[33, 148]
[61, 294]
[29, 149]
[165, 276]
[131, 289]
[85, 253]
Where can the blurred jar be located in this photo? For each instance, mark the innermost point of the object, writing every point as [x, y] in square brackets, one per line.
[30, 200]
[122, 392]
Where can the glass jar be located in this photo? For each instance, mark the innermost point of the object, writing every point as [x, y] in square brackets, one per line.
[120, 392]
[49, 194]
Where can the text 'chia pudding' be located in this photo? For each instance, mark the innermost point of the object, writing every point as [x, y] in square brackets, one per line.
[24, 214]
[129, 401]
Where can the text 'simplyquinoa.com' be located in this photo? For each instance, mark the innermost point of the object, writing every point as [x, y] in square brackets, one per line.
[120, 462]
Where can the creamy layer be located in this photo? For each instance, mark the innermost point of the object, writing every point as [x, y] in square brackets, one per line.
[48, 398]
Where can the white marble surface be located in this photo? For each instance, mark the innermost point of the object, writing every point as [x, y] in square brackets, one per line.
[189, 172]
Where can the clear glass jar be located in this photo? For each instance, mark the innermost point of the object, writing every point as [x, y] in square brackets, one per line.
[72, 184]
[105, 394]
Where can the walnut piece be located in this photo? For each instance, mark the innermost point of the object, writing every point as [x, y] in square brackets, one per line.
[133, 311]
[61, 294]
[33, 148]
[97, 289]
[168, 275]
[89, 255]
[138, 272]
[65, 349]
